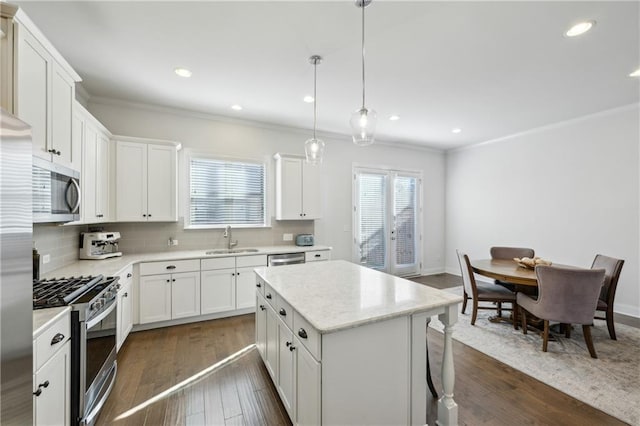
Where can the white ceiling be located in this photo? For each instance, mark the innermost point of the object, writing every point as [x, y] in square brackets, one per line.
[490, 68]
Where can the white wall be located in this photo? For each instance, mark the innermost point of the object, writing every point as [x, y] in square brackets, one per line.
[242, 139]
[569, 191]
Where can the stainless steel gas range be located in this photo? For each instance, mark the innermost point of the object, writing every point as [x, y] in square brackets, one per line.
[93, 337]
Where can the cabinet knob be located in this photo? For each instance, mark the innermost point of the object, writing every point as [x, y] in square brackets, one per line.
[129, 275]
[149, 215]
[233, 274]
[288, 344]
[125, 295]
[258, 285]
[58, 153]
[174, 280]
[302, 333]
[57, 339]
[268, 296]
[304, 214]
[237, 273]
[262, 307]
[38, 392]
[283, 312]
[168, 281]
[292, 348]
[144, 215]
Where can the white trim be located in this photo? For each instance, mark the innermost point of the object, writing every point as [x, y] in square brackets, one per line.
[433, 271]
[547, 127]
[414, 146]
[135, 139]
[625, 309]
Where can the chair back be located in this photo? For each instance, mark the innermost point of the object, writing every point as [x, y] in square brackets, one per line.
[568, 295]
[468, 280]
[511, 252]
[612, 268]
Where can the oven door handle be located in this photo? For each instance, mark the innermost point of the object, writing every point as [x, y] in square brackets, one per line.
[101, 316]
[96, 409]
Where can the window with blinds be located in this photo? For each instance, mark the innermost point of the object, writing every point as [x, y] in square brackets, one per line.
[227, 193]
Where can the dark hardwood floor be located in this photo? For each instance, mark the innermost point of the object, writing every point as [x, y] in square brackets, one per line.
[157, 382]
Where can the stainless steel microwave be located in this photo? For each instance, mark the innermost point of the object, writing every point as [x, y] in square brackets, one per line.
[56, 192]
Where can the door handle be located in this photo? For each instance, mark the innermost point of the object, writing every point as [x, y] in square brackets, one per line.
[57, 339]
[74, 208]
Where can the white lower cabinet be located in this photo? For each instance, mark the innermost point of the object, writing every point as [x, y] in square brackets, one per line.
[52, 373]
[155, 298]
[51, 384]
[295, 371]
[185, 295]
[308, 386]
[245, 287]
[171, 295]
[286, 369]
[218, 291]
[124, 313]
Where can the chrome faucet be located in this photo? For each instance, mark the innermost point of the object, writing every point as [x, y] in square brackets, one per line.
[227, 234]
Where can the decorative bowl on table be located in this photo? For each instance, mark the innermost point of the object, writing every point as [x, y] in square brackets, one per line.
[531, 263]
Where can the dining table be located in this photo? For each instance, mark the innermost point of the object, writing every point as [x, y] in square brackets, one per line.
[506, 270]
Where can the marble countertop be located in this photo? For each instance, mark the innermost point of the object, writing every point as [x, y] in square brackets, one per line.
[43, 318]
[336, 295]
[114, 265]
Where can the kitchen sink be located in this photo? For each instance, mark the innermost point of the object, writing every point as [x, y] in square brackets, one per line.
[232, 251]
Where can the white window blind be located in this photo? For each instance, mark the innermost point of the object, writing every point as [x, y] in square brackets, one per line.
[405, 210]
[227, 193]
[372, 224]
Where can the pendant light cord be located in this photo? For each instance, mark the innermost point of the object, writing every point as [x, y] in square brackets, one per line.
[315, 99]
[363, 90]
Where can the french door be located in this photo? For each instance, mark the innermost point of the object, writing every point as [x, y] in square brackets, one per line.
[387, 220]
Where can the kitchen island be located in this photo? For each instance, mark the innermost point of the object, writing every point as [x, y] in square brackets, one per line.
[345, 344]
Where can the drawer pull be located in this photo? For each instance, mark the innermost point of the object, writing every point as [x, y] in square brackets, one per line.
[258, 285]
[268, 296]
[38, 392]
[170, 266]
[318, 255]
[302, 333]
[283, 312]
[129, 275]
[57, 339]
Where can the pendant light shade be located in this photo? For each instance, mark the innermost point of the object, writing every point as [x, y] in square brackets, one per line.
[363, 121]
[314, 147]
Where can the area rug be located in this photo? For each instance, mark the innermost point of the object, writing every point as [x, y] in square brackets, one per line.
[610, 383]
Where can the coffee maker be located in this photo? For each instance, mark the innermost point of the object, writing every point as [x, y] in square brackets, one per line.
[99, 245]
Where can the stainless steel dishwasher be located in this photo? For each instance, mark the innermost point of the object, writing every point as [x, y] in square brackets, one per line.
[285, 259]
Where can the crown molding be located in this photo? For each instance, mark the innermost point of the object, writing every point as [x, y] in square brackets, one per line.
[547, 127]
[304, 132]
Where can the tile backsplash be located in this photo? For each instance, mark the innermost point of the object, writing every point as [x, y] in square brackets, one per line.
[61, 243]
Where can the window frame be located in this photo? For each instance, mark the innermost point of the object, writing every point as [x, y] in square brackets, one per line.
[200, 155]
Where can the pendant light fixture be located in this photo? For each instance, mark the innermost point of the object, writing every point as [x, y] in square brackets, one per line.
[314, 147]
[363, 121]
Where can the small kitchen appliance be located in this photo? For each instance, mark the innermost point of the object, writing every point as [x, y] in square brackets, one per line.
[99, 245]
[304, 240]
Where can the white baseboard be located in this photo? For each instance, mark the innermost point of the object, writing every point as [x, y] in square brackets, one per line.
[432, 271]
[207, 317]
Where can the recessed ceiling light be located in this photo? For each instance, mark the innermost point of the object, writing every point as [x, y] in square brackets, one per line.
[456, 130]
[236, 107]
[183, 72]
[394, 118]
[636, 73]
[308, 99]
[580, 28]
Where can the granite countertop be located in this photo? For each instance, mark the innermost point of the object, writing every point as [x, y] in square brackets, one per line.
[336, 295]
[114, 265]
[43, 318]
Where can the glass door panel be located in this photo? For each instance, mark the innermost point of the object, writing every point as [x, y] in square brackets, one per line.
[372, 220]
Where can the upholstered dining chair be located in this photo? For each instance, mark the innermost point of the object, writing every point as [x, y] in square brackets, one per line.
[480, 292]
[612, 268]
[509, 253]
[565, 295]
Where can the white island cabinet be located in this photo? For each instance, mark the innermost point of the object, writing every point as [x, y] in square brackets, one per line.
[345, 344]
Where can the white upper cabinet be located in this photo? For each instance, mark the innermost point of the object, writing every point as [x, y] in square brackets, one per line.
[298, 195]
[44, 93]
[93, 138]
[146, 181]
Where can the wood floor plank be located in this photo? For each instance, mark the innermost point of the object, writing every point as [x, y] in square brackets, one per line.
[213, 411]
[236, 421]
[196, 419]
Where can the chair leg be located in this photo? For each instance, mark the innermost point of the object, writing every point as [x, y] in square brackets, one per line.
[610, 327]
[514, 314]
[523, 317]
[586, 330]
[474, 314]
[567, 330]
[499, 309]
[464, 301]
[545, 336]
